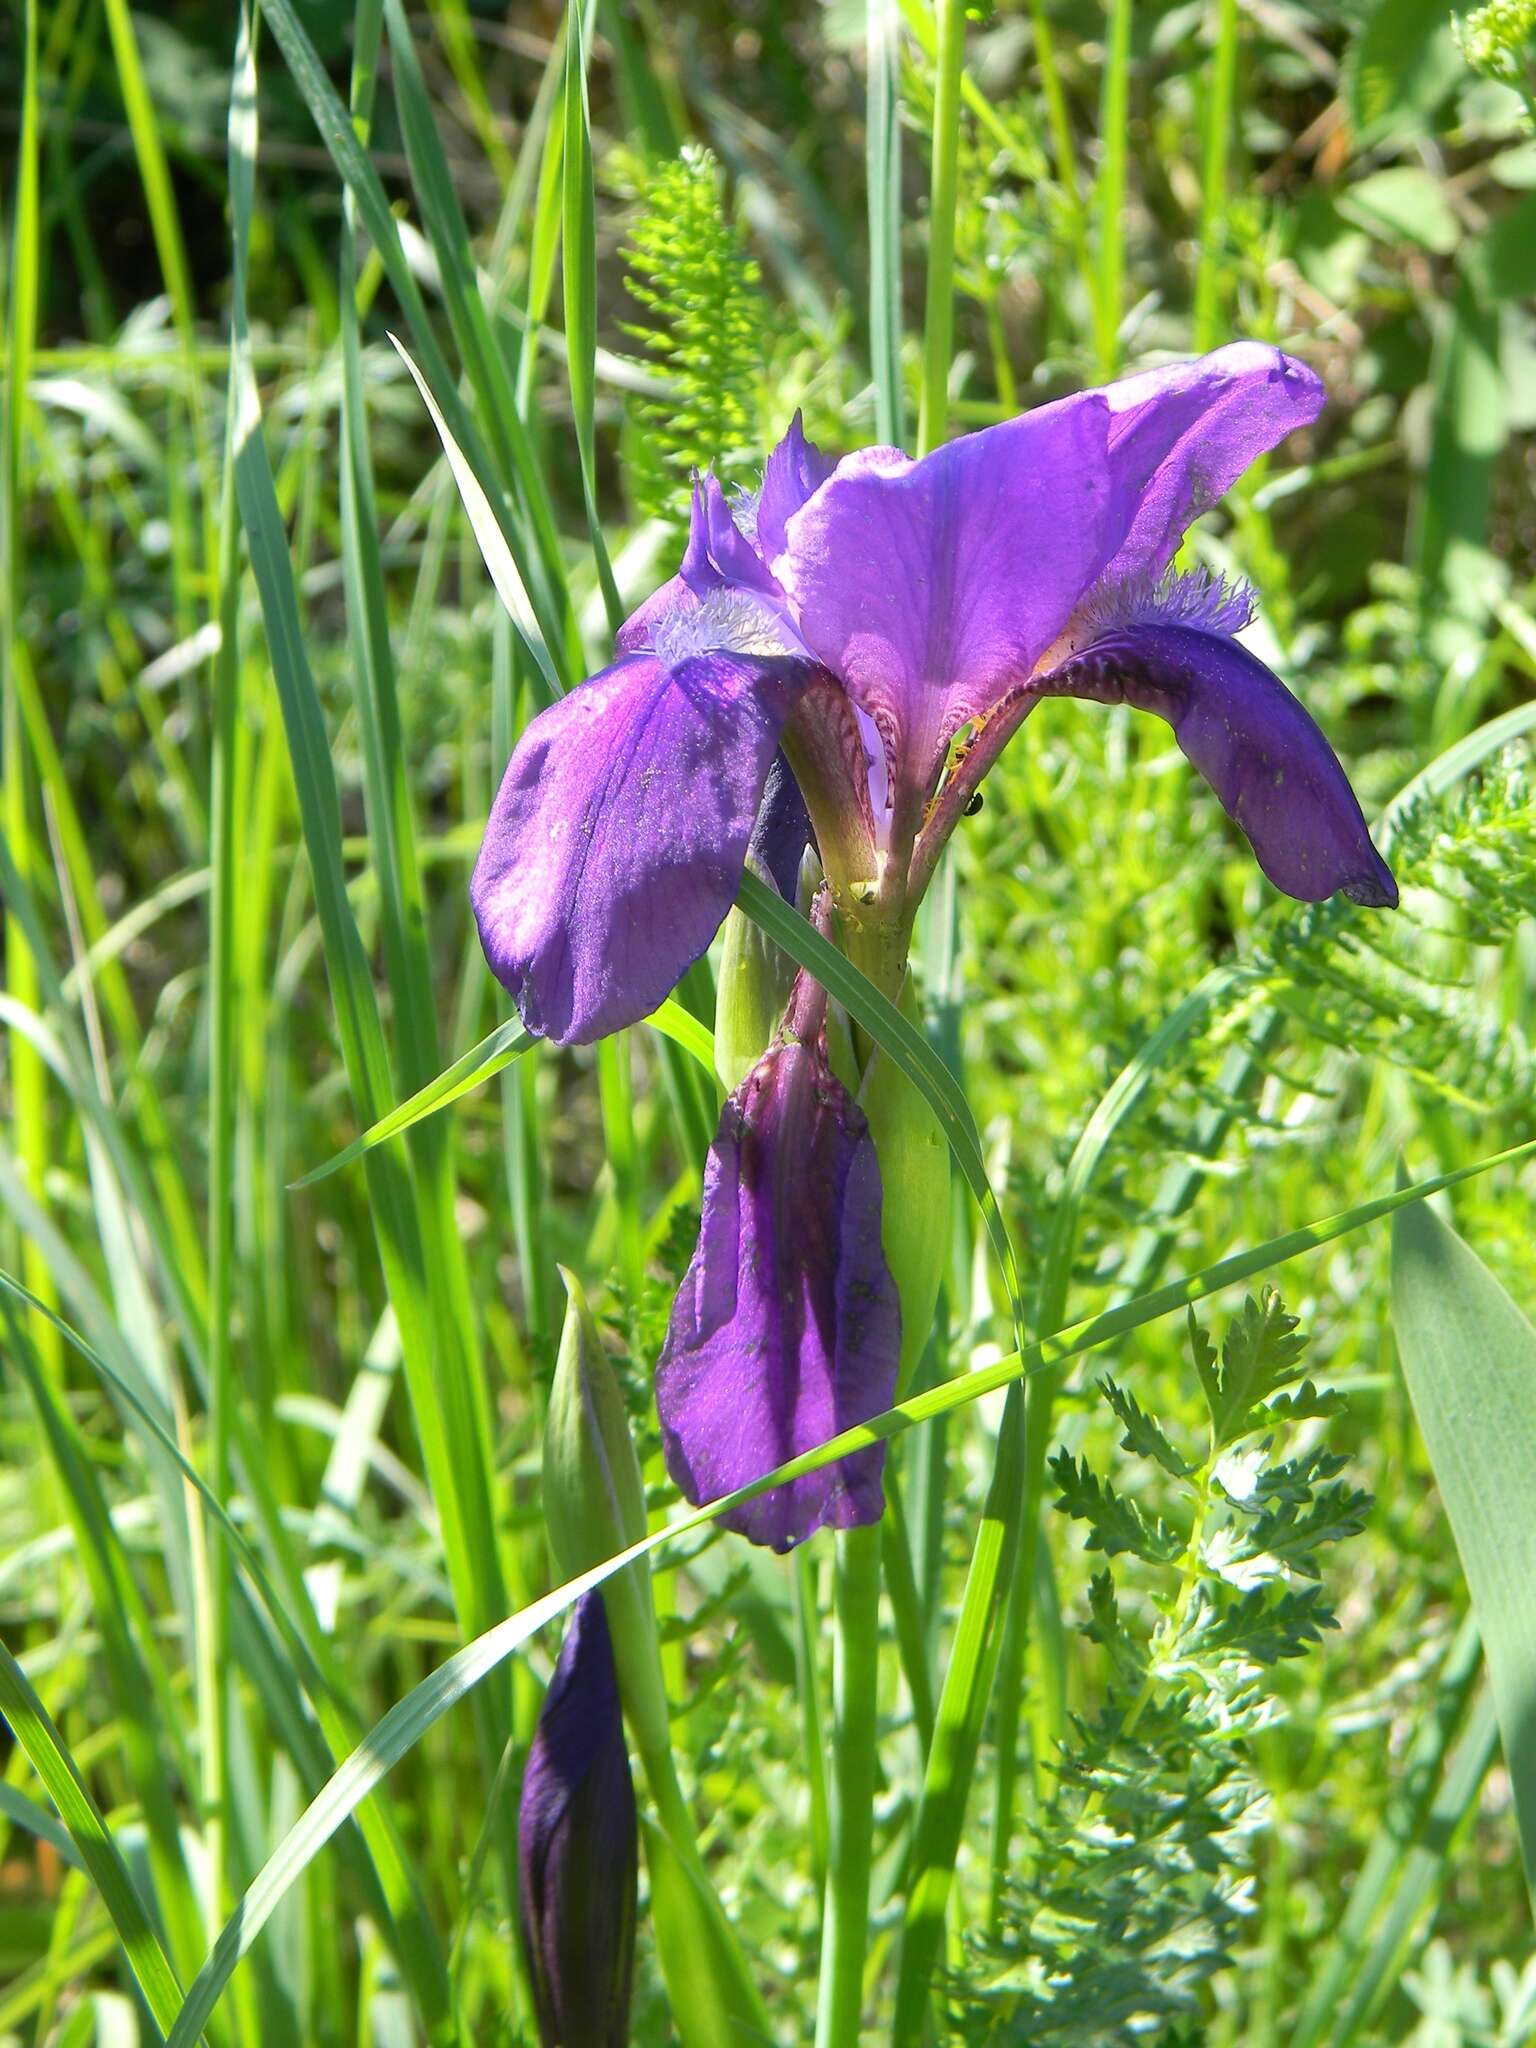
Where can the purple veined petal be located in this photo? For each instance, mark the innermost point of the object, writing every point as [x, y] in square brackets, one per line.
[637, 631]
[615, 844]
[578, 1846]
[1180, 437]
[787, 1328]
[795, 471]
[718, 552]
[1259, 749]
[930, 587]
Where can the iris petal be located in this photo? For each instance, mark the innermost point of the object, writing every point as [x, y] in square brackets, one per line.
[616, 840]
[1259, 749]
[794, 472]
[577, 1846]
[930, 586]
[787, 1328]
[1180, 437]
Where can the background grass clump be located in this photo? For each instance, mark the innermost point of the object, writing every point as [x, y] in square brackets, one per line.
[1241, 1781]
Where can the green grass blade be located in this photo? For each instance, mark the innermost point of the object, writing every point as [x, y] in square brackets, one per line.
[1109, 191]
[448, 1404]
[1345, 1962]
[495, 1052]
[578, 246]
[1469, 1357]
[882, 156]
[362, 180]
[33, 1728]
[489, 536]
[939, 303]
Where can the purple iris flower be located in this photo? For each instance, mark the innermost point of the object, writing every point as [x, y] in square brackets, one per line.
[787, 1327]
[578, 1847]
[863, 616]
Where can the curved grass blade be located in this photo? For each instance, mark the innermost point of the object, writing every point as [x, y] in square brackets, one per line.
[409, 1719]
[494, 1053]
[489, 538]
[1469, 1358]
[32, 1725]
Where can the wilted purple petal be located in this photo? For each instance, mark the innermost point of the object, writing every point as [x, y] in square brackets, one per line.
[787, 1328]
[795, 471]
[1180, 437]
[615, 843]
[1259, 749]
[929, 587]
[783, 829]
[577, 1847]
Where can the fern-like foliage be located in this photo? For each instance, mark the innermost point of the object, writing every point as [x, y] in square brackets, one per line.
[688, 266]
[1135, 1877]
[1318, 986]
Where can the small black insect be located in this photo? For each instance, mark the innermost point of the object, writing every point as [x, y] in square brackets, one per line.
[975, 804]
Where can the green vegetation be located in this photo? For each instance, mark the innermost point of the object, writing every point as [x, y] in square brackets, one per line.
[272, 1437]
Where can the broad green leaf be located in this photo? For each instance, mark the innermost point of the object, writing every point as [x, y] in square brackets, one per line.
[1403, 203]
[1469, 1357]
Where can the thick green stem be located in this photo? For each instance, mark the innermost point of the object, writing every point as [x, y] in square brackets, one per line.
[854, 1688]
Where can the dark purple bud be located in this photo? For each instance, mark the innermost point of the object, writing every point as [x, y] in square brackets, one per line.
[578, 1847]
[787, 1328]
[1259, 749]
[783, 830]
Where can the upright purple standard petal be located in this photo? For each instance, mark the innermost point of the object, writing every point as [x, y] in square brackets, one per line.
[795, 471]
[930, 587]
[1257, 747]
[577, 1847]
[1180, 438]
[615, 844]
[787, 1328]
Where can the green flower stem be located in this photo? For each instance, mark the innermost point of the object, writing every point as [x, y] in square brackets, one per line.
[855, 1681]
[1213, 178]
[939, 307]
[1114, 120]
[706, 1973]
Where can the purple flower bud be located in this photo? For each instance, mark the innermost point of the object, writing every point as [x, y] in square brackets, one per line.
[787, 1328]
[578, 1847]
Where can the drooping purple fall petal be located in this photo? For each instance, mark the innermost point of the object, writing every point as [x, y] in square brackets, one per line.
[787, 1328]
[577, 1847]
[615, 843]
[1256, 745]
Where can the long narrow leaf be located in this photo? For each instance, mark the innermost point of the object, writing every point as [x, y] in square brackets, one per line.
[33, 1728]
[1469, 1357]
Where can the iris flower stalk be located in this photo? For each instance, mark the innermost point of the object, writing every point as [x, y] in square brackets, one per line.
[885, 626]
[838, 662]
